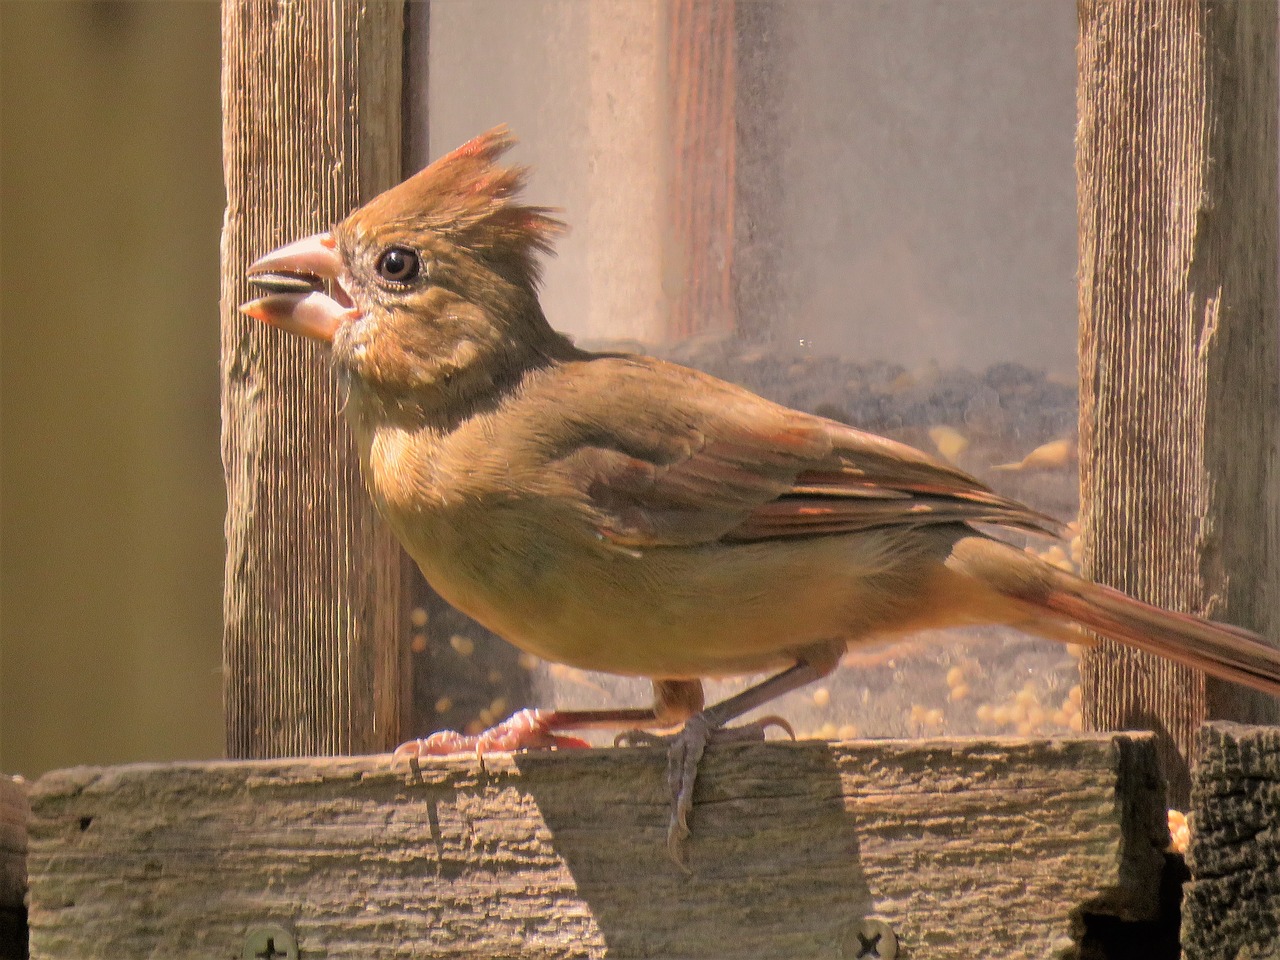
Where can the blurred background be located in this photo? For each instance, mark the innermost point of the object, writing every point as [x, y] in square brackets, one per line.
[896, 248]
[111, 492]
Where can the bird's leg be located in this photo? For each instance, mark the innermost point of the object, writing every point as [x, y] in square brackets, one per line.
[674, 701]
[687, 746]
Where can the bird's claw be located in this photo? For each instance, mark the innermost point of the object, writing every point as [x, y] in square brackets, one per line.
[748, 732]
[683, 757]
[684, 753]
[528, 729]
[641, 738]
[754, 731]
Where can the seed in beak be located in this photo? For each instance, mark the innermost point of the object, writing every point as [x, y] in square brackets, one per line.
[287, 282]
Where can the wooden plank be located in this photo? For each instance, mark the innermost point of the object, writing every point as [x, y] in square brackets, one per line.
[967, 848]
[1179, 342]
[1231, 906]
[314, 619]
[702, 91]
[14, 813]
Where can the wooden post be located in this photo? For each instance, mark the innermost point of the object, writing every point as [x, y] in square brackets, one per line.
[311, 124]
[1179, 334]
[1231, 906]
[698, 247]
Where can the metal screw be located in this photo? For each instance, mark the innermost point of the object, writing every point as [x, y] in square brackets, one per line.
[871, 938]
[269, 942]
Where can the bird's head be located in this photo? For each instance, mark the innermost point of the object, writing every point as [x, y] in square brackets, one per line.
[431, 285]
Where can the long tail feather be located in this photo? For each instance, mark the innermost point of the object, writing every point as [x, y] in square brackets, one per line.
[1218, 649]
[1053, 598]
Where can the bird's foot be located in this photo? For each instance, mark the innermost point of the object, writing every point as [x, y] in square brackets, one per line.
[684, 752]
[528, 729]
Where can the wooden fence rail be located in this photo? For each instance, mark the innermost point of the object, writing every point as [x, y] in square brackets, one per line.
[961, 848]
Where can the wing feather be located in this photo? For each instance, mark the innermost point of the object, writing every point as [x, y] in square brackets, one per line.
[722, 464]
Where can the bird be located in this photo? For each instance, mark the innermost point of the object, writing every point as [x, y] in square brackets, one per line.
[620, 513]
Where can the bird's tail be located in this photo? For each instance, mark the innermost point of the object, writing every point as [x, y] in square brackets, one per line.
[1221, 650]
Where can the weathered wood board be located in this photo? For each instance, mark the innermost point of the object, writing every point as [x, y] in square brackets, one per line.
[991, 848]
[1231, 906]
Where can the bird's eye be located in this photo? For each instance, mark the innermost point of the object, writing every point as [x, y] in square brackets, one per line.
[398, 265]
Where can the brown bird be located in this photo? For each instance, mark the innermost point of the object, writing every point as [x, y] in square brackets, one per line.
[619, 513]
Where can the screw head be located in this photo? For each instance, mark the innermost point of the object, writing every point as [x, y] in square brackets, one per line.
[870, 938]
[269, 942]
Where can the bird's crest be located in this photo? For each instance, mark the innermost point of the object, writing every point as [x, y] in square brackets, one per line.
[469, 197]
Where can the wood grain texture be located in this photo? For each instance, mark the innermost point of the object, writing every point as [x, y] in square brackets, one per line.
[312, 651]
[14, 813]
[1179, 342]
[698, 247]
[1231, 906]
[991, 848]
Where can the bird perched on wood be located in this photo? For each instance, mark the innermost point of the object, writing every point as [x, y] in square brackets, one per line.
[624, 514]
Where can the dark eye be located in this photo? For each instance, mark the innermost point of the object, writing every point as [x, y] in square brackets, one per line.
[398, 265]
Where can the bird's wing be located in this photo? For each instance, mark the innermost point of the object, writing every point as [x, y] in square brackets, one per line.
[696, 460]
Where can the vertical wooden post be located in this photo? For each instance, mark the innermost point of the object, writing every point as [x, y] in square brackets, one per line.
[312, 658]
[698, 249]
[1179, 340]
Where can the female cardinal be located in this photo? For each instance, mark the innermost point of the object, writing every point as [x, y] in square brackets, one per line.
[624, 514]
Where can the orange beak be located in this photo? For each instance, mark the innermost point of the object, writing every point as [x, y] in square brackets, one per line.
[293, 278]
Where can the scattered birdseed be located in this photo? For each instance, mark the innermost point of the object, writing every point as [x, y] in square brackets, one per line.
[951, 443]
[1179, 832]
[1047, 456]
[465, 646]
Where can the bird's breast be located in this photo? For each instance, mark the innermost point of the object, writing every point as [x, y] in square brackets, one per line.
[704, 611]
[529, 564]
